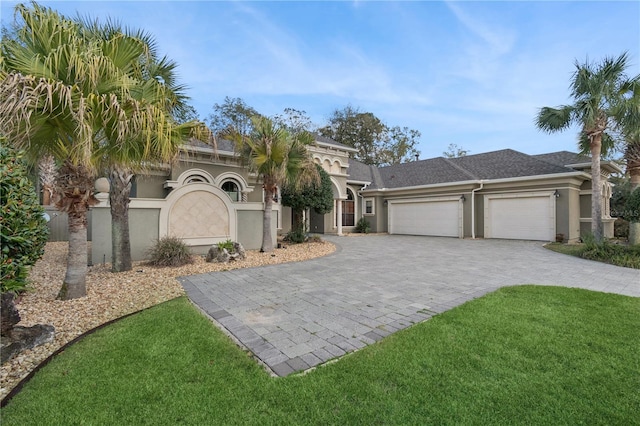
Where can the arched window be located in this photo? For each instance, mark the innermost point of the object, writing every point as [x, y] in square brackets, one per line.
[195, 179]
[349, 210]
[232, 189]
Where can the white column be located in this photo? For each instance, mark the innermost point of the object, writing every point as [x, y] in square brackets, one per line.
[339, 214]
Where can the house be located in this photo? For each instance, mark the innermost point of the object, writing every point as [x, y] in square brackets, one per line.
[208, 196]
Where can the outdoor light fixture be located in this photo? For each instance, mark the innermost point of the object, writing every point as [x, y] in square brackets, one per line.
[462, 198]
[556, 194]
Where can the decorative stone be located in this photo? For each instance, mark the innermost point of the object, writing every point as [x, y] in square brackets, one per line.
[217, 255]
[9, 315]
[22, 338]
[237, 248]
[102, 185]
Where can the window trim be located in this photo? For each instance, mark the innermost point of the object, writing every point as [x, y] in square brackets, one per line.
[238, 187]
[373, 206]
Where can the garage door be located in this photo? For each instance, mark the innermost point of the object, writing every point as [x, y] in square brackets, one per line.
[520, 217]
[439, 217]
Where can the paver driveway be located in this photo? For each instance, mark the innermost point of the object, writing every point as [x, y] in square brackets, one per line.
[297, 315]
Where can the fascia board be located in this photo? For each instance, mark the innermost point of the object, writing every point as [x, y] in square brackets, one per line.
[339, 148]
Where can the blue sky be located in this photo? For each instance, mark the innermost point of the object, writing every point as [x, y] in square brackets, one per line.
[470, 73]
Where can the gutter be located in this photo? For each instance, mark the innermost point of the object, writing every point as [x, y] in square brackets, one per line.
[473, 210]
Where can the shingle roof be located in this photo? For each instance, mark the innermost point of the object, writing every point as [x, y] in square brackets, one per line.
[501, 164]
[563, 158]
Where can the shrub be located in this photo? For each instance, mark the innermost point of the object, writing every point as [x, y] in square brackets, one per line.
[363, 226]
[226, 245]
[23, 228]
[314, 239]
[297, 235]
[170, 251]
[616, 254]
[621, 228]
[632, 206]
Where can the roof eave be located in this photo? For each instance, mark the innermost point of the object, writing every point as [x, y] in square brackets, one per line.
[341, 148]
[485, 181]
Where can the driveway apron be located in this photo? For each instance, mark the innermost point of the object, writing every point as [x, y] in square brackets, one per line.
[295, 316]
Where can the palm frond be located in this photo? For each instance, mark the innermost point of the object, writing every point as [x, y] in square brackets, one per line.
[555, 119]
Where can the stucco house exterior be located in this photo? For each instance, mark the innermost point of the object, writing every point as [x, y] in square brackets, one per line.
[208, 196]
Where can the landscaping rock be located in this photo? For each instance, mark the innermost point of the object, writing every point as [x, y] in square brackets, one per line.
[217, 255]
[239, 250]
[22, 338]
[9, 315]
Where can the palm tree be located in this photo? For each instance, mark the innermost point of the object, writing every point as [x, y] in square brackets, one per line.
[156, 88]
[595, 89]
[69, 94]
[628, 119]
[278, 158]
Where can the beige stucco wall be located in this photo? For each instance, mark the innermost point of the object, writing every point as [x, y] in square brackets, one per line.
[143, 231]
[250, 228]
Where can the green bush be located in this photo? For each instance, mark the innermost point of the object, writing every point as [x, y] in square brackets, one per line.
[363, 226]
[226, 245]
[170, 251]
[616, 254]
[632, 206]
[297, 235]
[23, 229]
[621, 228]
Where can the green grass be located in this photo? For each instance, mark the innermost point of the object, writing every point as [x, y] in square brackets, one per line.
[615, 254]
[521, 355]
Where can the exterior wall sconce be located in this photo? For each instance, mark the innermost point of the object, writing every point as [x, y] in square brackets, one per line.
[462, 198]
[385, 202]
[556, 194]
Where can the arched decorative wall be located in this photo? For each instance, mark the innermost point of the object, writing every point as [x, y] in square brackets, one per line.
[198, 213]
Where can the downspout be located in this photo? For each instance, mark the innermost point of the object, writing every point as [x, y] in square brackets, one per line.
[362, 199]
[473, 210]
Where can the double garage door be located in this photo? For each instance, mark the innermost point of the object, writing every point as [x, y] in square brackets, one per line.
[521, 216]
[440, 217]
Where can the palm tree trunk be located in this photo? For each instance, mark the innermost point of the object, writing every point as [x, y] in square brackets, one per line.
[267, 242]
[74, 184]
[596, 188]
[633, 168]
[119, 198]
[74, 284]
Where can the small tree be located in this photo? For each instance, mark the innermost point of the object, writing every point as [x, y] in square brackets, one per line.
[23, 230]
[316, 196]
[455, 151]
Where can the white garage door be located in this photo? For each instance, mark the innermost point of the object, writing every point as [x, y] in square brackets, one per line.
[440, 217]
[520, 217]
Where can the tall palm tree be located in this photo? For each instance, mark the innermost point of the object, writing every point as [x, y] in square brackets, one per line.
[595, 89]
[155, 88]
[628, 119]
[278, 158]
[65, 92]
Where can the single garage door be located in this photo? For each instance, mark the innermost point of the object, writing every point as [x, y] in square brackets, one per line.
[520, 217]
[436, 217]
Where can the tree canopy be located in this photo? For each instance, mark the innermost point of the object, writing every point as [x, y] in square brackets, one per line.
[377, 143]
[315, 195]
[233, 115]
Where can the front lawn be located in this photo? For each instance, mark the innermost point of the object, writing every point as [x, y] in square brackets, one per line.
[521, 355]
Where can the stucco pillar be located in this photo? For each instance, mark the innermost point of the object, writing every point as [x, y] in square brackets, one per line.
[339, 214]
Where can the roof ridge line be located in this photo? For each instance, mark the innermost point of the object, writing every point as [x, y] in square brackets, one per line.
[463, 170]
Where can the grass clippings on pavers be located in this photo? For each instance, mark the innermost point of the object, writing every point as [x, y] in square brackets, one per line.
[520, 355]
